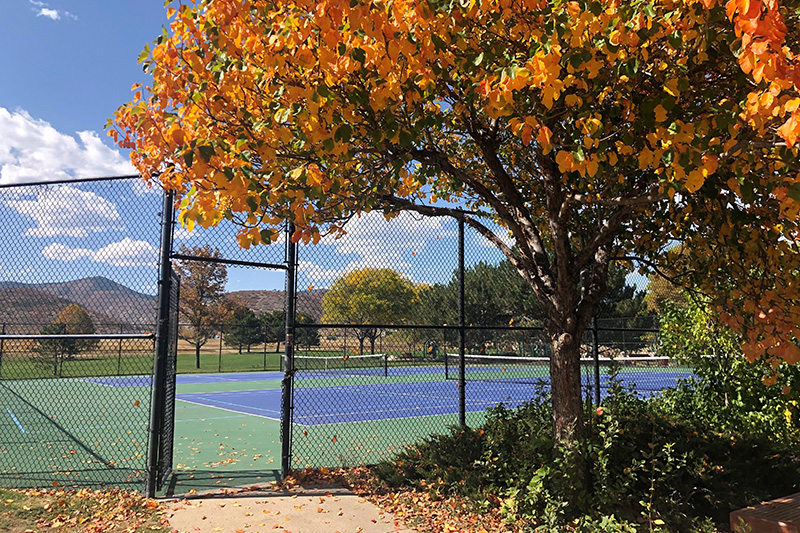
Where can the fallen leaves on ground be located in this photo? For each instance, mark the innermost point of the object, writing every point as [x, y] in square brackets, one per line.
[84, 510]
[417, 509]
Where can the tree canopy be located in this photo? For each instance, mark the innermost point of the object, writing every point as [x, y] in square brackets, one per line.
[202, 304]
[590, 130]
[379, 296]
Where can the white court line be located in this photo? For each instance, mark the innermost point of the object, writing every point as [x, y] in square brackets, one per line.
[16, 421]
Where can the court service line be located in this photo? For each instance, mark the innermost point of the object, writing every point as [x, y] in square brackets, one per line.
[230, 410]
[16, 421]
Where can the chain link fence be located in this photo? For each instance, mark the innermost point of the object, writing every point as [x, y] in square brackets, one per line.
[382, 370]
[78, 284]
[375, 343]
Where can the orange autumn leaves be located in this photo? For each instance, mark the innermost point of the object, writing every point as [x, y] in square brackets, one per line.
[771, 63]
[285, 109]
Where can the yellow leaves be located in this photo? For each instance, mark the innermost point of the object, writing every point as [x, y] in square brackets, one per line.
[573, 100]
[710, 164]
[565, 161]
[660, 113]
[790, 130]
[671, 88]
[544, 137]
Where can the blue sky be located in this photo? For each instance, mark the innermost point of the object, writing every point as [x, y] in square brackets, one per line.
[68, 64]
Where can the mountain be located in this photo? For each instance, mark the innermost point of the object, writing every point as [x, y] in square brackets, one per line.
[107, 302]
[308, 302]
[25, 310]
[113, 306]
[107, 297]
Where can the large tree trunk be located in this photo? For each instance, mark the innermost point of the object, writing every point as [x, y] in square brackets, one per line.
[197, 355]
[565, 378]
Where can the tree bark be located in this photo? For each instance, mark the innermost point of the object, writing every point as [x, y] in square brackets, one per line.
[565, 382]
[197, 355]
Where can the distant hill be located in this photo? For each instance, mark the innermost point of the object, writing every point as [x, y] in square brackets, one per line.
[25, 310]
[106, 301]
[114, 305]
[309, 302]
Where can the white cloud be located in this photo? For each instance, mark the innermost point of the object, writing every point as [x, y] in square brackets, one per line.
[33, 150]
[49, 13]
[182, 234]
[53, 14]
[60, 252]
[125, 253]
[67, 211]
[373, 242]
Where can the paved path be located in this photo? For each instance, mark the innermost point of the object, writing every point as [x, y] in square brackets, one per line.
[314, 509]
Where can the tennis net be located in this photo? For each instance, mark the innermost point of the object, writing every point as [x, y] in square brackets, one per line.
[645, 373]
[348, 365]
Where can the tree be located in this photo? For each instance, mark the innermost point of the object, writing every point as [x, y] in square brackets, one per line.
[306, 336]
[244, 329]
[589, 130]
[495, 295]
[725, 390]
[203, 304]
[273, 325]
[77, 322]
[369, 296]
[54, 351]
[72, 320]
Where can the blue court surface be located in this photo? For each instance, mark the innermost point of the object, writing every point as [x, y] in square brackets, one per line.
[188, 379]
[394, 400]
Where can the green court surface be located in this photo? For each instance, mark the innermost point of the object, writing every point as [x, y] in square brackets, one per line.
[94, 431]
[73, 431]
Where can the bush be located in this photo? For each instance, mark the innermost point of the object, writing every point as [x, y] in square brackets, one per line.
[646, 468]
[728, 392]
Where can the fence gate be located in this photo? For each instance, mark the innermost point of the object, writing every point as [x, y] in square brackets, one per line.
[167, 433]
[77, 322]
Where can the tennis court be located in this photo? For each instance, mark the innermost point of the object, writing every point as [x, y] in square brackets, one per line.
[360, 409]
[347, 410]
[94, 433]
[373, 388]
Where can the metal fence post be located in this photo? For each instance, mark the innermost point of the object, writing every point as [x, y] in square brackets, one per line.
[119, 352]
[162, 345]
[2, 347]
[288, 355]
[219, 360]
[462, 331]
[596, 359]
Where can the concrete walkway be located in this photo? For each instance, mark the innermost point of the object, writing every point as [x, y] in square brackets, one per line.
[313, 509]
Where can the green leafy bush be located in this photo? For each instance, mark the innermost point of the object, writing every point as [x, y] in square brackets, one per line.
[640, 468]
[728, 392]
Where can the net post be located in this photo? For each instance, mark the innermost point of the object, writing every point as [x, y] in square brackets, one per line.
[119, 353]
[219, 360]
[596, 360]
[2, 347]
[162, 346]
[288, 355]
[462, 323]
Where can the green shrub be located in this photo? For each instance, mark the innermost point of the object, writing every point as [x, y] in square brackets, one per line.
[640, 468]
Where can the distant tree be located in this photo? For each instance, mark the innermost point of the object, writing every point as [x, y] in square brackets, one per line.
[244, 329]
[306, 336]
[660, 292]
[369, 296]
[72, 320]
[497, 296]
[77, 321]
[273, 327]
[202, 303]
[54, 351]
